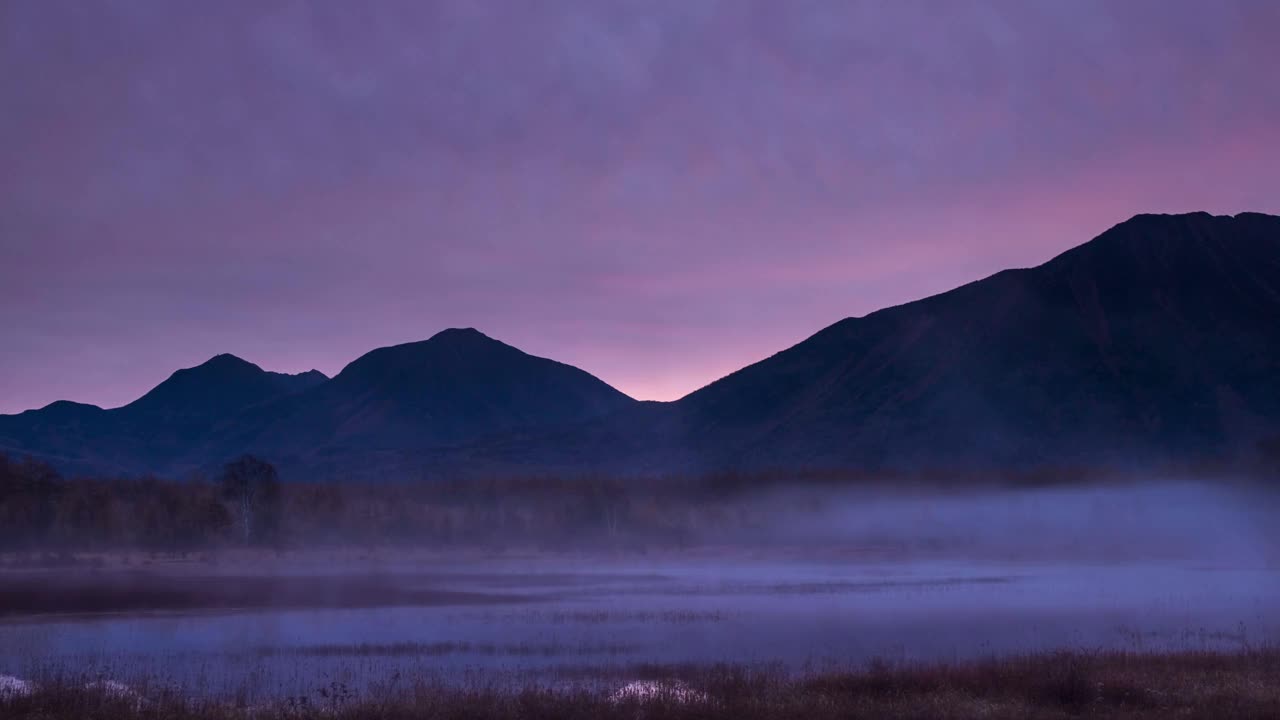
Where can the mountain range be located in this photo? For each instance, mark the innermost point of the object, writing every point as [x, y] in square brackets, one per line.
[1158, 340]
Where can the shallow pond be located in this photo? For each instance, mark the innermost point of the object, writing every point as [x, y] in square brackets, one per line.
[553, 621]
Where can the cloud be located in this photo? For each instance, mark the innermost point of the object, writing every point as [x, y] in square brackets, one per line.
[305, 180]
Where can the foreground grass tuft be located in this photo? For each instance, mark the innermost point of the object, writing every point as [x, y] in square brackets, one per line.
[1056, 685]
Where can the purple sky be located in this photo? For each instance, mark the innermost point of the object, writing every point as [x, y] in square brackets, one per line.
[658, 192]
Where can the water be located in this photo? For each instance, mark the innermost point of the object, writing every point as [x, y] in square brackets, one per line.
[552, 621]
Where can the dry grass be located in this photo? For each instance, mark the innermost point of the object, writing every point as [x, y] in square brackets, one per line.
[1058, 685]
[41, 593]
[416, 649]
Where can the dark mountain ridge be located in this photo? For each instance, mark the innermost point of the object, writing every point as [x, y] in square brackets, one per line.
[148, 433]
[1158, 340]
[396, 403]
[221, 385]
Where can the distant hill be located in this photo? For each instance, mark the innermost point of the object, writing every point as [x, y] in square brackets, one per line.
[1158, 340]
[221, 386]
[393, 406]
[151, 432]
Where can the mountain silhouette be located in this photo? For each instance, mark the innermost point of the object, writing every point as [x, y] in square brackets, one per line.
[146, 434]
[220, 386]
[1157, 341]
[396, 403]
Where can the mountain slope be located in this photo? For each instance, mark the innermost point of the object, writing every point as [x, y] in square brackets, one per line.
[402, 401]
[1161, 337]
[222, 385]
[1158, 340]
[146, 434]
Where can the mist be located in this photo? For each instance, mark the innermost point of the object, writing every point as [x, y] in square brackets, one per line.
[1219, 521]
[599, 583]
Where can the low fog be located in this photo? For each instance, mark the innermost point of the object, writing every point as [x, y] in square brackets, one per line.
[594, 584]
[1224, 522]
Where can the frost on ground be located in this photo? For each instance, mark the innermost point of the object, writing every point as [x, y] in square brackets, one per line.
[12, 687]
[649, 690]
[116, 691]
[111, 688]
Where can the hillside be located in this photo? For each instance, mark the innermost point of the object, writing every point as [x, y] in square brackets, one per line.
[394, 406]
[1157, 341]
[1160, 338]
[151, 432]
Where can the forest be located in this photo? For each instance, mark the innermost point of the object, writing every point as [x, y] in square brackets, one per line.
[245, 504]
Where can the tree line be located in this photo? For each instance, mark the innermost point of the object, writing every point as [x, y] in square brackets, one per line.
[247, 504]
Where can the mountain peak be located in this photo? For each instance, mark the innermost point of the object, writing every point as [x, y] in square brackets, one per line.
[219, 385]
[65, 410]
[1165, 221]
[220, 368]
[289, 384]
[457, 336]
[1189, 241]
[222, 358]
[456, 343]
[459, 332]
[225, 366]
[1149, 224]
[223, 362]
[1247, 215]
[61, 405]
[450, 351]
[1171, 217]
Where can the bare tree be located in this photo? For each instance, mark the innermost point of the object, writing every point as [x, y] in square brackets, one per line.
[252, 487]
[1269, 457]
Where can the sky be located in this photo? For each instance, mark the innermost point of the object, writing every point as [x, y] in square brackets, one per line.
[657, 192]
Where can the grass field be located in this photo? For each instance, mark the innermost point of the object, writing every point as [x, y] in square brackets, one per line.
[1052, 685]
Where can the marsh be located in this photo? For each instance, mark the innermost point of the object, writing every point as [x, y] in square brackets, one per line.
[858, 579]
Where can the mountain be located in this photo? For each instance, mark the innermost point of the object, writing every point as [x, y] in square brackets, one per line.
[76, 437]
[215, 389]
[387, 413]
[1159, 340]
[396, 404]
[146, 434]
